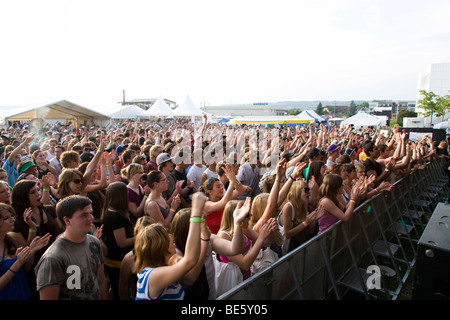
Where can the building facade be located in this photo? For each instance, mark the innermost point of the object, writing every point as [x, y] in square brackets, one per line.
[435, 78]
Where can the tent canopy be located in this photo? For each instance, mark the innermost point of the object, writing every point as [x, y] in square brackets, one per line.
[187, 109]
[311, 115]
[159, 108]
[442, 125]
[128, 112]
[60, 110]
[362, 119]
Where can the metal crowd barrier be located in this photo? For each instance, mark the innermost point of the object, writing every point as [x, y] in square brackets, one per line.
[352, 256]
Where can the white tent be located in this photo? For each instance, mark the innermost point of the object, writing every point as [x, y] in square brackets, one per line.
[159, 108]
[128, 112]
[362, 120]
[310, 115]
[187, 109]
[59, 110]
[442, 125]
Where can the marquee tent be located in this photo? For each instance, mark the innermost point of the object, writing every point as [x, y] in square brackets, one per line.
[442, 125]
[60, 110]
[128, 112]
[159, 108]
[362, 120]
[187, 109]
[311, 115]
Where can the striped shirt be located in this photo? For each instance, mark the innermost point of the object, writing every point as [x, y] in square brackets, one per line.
[172, 292]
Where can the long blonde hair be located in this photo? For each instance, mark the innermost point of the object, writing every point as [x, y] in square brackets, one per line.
[295, 198]
[227, 223]
[259, 205]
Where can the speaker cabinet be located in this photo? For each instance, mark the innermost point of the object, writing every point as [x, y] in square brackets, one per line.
[432, 274]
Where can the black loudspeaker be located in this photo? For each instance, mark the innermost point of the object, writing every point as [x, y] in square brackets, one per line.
[432, 274]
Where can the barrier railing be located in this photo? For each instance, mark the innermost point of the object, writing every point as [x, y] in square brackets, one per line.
[372, 254]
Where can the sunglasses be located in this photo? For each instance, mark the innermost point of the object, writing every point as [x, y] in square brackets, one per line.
[77, 181]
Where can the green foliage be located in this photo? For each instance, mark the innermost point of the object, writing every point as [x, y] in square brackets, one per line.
[351, 111]
[443, 105]
[294, 112]
[405, 113]
[319, 109]
[434, 104]
[392, 123]
[364, 105]
[428, 103]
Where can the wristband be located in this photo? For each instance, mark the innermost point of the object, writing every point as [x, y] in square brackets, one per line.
[45, 189]
[99, 151]
[204, 239]
[12, 270]
[146, 196]
[195, 219]
[353, 201]
[32, 231]
[291, 178]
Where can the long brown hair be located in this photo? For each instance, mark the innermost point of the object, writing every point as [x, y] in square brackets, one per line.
[180, 228]
[330, 187]
[10, 244]
[116, 198]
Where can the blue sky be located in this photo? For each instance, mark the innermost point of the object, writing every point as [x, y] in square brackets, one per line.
[218, 52]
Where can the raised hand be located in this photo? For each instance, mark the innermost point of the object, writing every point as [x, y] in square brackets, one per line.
[40, 242]
[27, 214]
[241, 211]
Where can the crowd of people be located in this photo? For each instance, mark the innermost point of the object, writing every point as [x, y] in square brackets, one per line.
[146, 210]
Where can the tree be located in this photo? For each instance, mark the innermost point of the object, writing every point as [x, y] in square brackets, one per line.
[442, 106]
[404, 113]
[294, 112]
[319, 109]
[364, 105]
[428, 103]
[352, 109]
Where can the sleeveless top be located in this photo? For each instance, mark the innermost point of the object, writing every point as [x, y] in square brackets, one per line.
[245, 248]
[135, 197]
[17, 288]
[300, 237]
[172, 292]
[164, 211]
[326, 221]
[213, 220]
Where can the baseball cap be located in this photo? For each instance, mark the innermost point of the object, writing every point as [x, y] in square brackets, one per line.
[163, 157]
[86, 157]
[24, 166]
[349, 151]
[120, 148]
[332, 147]
[6, 135]
[335, 142]
[313, 153]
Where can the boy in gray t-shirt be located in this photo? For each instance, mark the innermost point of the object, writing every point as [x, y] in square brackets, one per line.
[72, 267]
